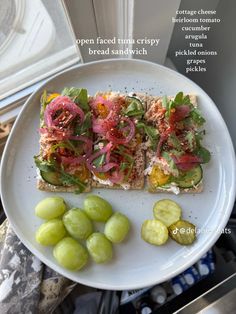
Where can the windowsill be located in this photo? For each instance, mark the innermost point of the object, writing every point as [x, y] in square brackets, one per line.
[12, 105]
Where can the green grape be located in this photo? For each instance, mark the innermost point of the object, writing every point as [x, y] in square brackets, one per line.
[50, 232]
[97, 208]
[117, 227]
[70, 254]
[50, 207]
[99, 247]
[77, 223]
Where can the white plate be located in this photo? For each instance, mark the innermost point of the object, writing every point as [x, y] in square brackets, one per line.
[135, 264]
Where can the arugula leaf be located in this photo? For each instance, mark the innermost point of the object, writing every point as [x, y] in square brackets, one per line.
[135, 108]
[68, 179]
[120, 151]
[186, 100]
[99, 161]
[171, 105]
[199, 137]
[174, 170]
[203, 153]
[68, 144]
[84, 128]
[44, 165]
[175, 152]
[78, 95]
[179, 98]
[124, 166]
[129, 171]
[151, 132]
[165, 102]
[190, 137]
[174, 142]
[196, 116]
[61, 145]
[127, 164]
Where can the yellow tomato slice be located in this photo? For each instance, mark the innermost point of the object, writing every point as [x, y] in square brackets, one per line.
[158, 177]
[50, 97]
[101, 175]
[138, 139]
[102, 110]
[82, 173]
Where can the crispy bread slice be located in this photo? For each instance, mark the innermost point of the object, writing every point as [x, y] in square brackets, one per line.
[150, 100]
[137, 183]
[46, 186]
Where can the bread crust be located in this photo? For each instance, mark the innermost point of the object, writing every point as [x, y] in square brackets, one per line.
[44, 186]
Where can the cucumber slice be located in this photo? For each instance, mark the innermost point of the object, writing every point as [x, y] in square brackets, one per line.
[154, 232]
[190, 178]
[130, 99]
[183, 232]
[167, 211]
[134, 107]
[51, 177]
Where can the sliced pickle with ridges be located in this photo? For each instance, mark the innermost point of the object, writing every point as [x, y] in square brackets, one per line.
[167, 211]
[154, 232]
[183, 232]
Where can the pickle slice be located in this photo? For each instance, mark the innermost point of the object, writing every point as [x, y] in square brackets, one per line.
[167, 211]
[183, 232]
[154, 232]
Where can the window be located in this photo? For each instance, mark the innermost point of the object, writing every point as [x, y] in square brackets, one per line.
[35, 41]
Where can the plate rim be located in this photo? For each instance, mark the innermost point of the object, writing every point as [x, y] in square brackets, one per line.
[86, 281]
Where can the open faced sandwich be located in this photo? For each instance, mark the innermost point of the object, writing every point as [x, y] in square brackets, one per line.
[113, 140]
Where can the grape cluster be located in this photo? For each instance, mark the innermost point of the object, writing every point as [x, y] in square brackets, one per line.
[64, 229]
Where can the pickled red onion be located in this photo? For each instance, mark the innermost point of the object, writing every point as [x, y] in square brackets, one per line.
[186, 161]
[61, 103]
[72, 160]
[104, 168]
[116, 177]
[101, 100]
[86, 140]
[125, 139]
[102, 151]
